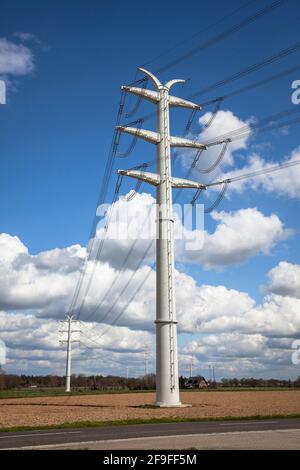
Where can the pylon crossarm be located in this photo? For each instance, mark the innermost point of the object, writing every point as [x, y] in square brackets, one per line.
[149, 136]
[184, 183]
[154, 97]
[175, 101]
[147, 177]
[154, 138]
[180, 142]
[150, 95]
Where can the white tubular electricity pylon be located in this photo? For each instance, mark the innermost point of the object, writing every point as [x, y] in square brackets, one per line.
[147, 355]
[69, 321]
[191, 366]
[167, 384]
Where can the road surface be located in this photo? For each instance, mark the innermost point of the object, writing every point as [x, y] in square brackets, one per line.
[260, 434]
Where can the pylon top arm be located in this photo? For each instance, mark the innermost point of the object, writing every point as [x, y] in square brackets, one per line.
[170, 83]
[157, 83]
[152, 77]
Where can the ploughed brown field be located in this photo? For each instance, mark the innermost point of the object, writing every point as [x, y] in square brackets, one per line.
[57, 410]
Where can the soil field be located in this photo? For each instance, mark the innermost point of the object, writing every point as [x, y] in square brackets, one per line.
[58, 410]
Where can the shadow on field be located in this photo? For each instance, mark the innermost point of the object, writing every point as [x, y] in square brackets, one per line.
[57, 404]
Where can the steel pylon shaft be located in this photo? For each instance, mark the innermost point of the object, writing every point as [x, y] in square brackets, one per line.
[167, 382]
[167, 388]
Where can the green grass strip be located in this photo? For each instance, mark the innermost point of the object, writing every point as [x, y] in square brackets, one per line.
[166, 420]
[5, 394]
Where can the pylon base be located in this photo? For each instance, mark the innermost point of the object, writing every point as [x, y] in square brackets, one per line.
[178, 405]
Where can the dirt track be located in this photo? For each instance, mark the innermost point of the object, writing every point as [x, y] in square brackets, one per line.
[57, 410]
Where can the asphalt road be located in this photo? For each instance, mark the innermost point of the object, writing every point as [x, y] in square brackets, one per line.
[29, 439]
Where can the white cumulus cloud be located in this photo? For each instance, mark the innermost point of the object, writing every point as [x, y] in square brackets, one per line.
[15, 59]
[236, 237]
[223, 123]
[285, 279]
[284, 182]
[222, 324]
[234, 240]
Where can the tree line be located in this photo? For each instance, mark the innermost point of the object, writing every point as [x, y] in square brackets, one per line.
[111, 382]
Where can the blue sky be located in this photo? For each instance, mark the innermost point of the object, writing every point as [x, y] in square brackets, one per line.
[57, 125]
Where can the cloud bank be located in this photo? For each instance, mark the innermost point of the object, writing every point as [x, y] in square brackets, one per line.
[216, 324]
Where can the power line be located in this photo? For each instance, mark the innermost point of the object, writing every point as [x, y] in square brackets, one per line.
[151, 267]
[102, 194]
[240, 74]
[239, 133]
[236, 133]
[223, 182]
[262, 82]
[218, 38]
[115, 142]
[227, 181]
[106, 178]
[268, 128]
[214, 40]
[123, 290]
[234, 29]
[252, 174]
[250, 69]
[122, 269]
[220, 197]
[212, 25]
[101, 244]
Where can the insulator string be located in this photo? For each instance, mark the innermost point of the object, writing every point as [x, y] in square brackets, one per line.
[133, 142]
[134, 191]
[197, 194]
[217, 162]
[213, 115]
[138, 102]
[219, 198]
[190, 121]
[216, 202]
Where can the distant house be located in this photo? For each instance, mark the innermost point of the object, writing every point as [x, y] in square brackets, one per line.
[196, 382]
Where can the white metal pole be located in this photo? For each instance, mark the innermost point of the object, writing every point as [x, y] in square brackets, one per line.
[191, 367]
[167, 383]
[209, 367]
[69, 353]
[146, 363]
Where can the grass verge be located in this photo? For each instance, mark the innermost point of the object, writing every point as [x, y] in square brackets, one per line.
[4, 394]
[165, 420]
